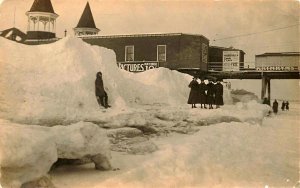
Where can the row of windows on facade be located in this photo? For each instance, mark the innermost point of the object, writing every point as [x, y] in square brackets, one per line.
[161, 53]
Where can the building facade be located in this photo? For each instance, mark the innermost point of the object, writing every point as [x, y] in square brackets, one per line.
[137, 53]
[219, 55]
[283, 61]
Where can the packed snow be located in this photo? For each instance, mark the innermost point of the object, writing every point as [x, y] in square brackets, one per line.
[28, 152]
[43, 84]
[155, 138]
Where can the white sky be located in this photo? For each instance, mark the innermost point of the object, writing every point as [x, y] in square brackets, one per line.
[213, 19]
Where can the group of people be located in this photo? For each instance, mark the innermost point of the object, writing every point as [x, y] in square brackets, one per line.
[206, 94]
[284, 106]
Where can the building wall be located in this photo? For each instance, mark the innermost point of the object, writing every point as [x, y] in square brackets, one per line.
[193, 53]
[182, 51]
[215, 57]
[277, 61]
[40, 35]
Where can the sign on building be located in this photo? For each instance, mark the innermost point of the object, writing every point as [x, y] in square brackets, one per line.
[231, 60]
[138, 66]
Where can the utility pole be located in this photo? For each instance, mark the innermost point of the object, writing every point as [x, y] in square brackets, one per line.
[66, 33]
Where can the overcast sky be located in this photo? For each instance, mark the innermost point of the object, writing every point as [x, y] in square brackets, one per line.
[213, 19]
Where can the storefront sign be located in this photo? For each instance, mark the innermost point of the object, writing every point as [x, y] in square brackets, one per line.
[231, 60]
[277, 68]
[138, 66]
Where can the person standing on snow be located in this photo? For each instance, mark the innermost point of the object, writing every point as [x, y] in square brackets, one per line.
[101, 95]
[193, 93]
[210, 94]
[275, 106]
[202, 94]
[219, 94]
[287, 107]
[282, 105]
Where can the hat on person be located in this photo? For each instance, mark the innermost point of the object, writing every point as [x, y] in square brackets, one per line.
[99, 74]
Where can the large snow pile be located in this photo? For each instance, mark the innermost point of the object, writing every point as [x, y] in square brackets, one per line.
[55, 83]
[28, 151]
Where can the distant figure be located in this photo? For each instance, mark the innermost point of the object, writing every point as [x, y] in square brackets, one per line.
[210, 94]
[101, 95]
[287, 107]
[283, 106]
[219, 94]
[275, 106]
[229, 86]
[202, 94]
[193, 93]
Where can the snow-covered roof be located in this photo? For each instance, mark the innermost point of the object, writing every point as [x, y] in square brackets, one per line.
[141, 35]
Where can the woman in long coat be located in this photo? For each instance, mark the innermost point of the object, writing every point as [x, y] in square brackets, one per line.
[219, 94]
[193, 97]
[275, 106]
[210, 94]
[202, 94]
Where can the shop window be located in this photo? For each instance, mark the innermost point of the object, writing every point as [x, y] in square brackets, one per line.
[129, 53]
[161, 53]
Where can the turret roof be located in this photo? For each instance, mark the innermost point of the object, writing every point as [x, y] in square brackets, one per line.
[86, 20]
[42, 6]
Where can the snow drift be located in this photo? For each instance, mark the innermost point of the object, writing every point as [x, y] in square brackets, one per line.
[34, 149]
[54, 83]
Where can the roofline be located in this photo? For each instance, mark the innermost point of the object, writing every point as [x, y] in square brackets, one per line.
[87, 28]
[40, 12]
[279, 54]
[227, 48]
[143, 35]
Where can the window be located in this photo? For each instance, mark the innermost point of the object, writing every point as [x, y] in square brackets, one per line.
[161, 52]
[129, 53]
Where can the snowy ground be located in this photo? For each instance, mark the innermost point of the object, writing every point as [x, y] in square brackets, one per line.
[156, 139]
[219, 155]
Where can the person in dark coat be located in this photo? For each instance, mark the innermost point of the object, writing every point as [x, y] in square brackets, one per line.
[275, 106]
[193, 97]
[101, 95]
[210, 94]
[287, 105]
[202, 93]
[219, 94]
[283, 106]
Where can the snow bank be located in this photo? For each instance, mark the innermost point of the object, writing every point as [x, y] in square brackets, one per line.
[27, 152]
[54, 83]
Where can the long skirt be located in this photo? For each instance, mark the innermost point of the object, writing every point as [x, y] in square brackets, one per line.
[193, 97]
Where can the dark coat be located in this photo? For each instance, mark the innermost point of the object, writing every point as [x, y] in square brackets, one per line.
[202, 95]
[99, 87]
[219, 94]
[210, 93]
[287, 105]
[275, 107]
[282, 105]
[193, 97]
